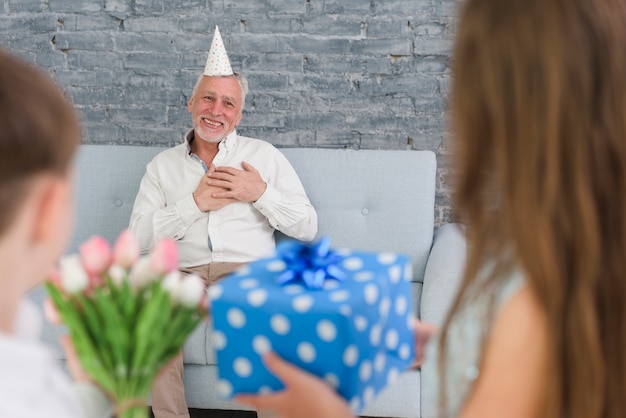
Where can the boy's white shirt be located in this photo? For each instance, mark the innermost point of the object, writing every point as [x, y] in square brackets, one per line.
[32, 383]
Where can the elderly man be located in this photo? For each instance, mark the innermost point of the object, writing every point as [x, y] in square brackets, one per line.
[220, 195]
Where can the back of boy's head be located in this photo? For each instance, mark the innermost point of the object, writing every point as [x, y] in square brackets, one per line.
[39, 132]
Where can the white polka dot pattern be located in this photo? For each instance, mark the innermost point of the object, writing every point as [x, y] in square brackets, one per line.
[405, 351]
[391, 339]
[236, 318]
[242, 367]
[364, 276]
[331, 284]
[365, 371]
[395, 274]
[340, 296]
[387, 258]
[261, 344]
[280, 324]
[345, 310]
[375, 335]
[401, 304]
[351, 356]
[379, 362]
[249, 283]
[332, 380]
[360, 322]
[371, 294]
[353, 263]
[219, 339]
[257, 297]
[306, 352]
[326, 330]
[383, 308]
[293, 289]
[276, 266]
[408, 272]
[302, 303]
[356, 330]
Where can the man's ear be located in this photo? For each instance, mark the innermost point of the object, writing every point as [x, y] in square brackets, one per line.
[190, 104]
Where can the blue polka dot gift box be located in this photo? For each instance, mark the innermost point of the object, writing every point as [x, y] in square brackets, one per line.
[343, 315]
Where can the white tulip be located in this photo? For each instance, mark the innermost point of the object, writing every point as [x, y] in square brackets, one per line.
[73, 276]
[191, 291]
[141, 273]
[171, 284]
[117, 274]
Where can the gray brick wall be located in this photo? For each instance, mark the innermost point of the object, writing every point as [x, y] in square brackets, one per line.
[364, 74]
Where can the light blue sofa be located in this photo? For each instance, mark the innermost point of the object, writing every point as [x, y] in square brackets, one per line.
[368, 199]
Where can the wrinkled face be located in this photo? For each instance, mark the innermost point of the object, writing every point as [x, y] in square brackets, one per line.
[215, 108]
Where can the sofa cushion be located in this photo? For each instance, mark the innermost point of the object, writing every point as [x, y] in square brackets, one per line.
[107, 182]
[351, 191]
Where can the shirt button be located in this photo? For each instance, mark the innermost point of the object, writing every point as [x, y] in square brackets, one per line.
[365, 211]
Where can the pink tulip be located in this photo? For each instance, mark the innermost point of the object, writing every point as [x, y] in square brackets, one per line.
[96, 255]
[126, 250]
[164, 256]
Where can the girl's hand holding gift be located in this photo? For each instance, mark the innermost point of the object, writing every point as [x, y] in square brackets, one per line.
[304, 396]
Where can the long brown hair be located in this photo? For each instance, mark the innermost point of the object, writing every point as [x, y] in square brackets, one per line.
[39, 131]
[539, 116]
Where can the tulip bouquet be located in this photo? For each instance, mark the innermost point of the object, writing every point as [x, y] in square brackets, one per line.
[127, 315]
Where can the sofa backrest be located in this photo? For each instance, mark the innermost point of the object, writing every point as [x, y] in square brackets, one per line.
[375, 200]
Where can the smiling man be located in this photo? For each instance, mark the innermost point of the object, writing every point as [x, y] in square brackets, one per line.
[220, 195]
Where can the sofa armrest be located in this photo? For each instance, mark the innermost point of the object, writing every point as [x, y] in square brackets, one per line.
[444, 272]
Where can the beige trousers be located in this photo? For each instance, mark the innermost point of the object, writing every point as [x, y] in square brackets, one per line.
[168, 391]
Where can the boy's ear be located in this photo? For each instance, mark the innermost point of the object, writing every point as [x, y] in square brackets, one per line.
[52, 205]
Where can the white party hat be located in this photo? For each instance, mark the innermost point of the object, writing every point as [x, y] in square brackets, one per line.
[217, 63]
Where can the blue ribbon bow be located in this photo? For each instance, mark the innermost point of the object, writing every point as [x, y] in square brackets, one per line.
[311, 263]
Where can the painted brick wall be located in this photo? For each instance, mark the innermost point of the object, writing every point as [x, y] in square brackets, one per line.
[363, 74]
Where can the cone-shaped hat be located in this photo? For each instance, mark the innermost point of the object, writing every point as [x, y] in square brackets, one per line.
[217, 64]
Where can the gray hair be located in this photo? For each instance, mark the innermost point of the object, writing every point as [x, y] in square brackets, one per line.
[241, 79]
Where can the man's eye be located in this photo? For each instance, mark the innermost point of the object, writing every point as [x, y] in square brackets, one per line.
[209, 98]
[229, 104]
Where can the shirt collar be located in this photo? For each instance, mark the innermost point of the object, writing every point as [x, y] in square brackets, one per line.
[228, 143]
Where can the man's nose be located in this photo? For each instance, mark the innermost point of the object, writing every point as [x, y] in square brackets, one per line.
[216, 108]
